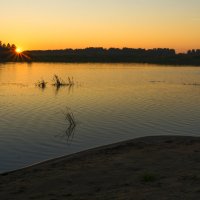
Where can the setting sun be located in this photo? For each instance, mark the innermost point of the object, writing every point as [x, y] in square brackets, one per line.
[18, 50]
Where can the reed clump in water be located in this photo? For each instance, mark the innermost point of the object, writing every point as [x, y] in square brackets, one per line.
[41, 84]
[58, 82]
[70, 81]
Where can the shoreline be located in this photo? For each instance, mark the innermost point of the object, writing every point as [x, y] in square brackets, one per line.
[88, 151]
[149, 139]
[143, 167]
[170, 64]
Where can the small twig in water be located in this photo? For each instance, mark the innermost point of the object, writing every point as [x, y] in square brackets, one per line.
[69, 116]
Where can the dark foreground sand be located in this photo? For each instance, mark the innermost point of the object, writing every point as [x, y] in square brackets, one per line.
[151, 168]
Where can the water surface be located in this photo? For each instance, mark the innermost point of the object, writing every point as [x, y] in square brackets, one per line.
[111, 103]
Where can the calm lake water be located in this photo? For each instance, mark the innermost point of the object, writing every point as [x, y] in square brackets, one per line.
[111, 103]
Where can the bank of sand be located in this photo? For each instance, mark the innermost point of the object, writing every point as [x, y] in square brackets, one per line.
[151, 168]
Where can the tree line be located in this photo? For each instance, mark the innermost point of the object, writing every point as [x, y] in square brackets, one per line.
[116, 55]
[102, 55]
[8, 52]
[93, 51]
[8, 46]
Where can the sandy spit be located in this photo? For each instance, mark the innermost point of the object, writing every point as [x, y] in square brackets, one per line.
[150, 168]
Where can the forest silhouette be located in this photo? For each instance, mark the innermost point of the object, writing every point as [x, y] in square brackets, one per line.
[6, 49]
[101, 55]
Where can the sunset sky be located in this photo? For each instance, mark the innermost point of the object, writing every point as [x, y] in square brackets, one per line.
[58, 24]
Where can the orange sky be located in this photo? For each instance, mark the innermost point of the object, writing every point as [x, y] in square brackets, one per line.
[58, 24]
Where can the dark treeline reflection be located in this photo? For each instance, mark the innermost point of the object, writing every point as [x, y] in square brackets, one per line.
[128, 55]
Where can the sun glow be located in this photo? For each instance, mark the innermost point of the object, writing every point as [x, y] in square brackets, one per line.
[18, 50]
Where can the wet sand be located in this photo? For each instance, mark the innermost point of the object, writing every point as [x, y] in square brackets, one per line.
[150, 168]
